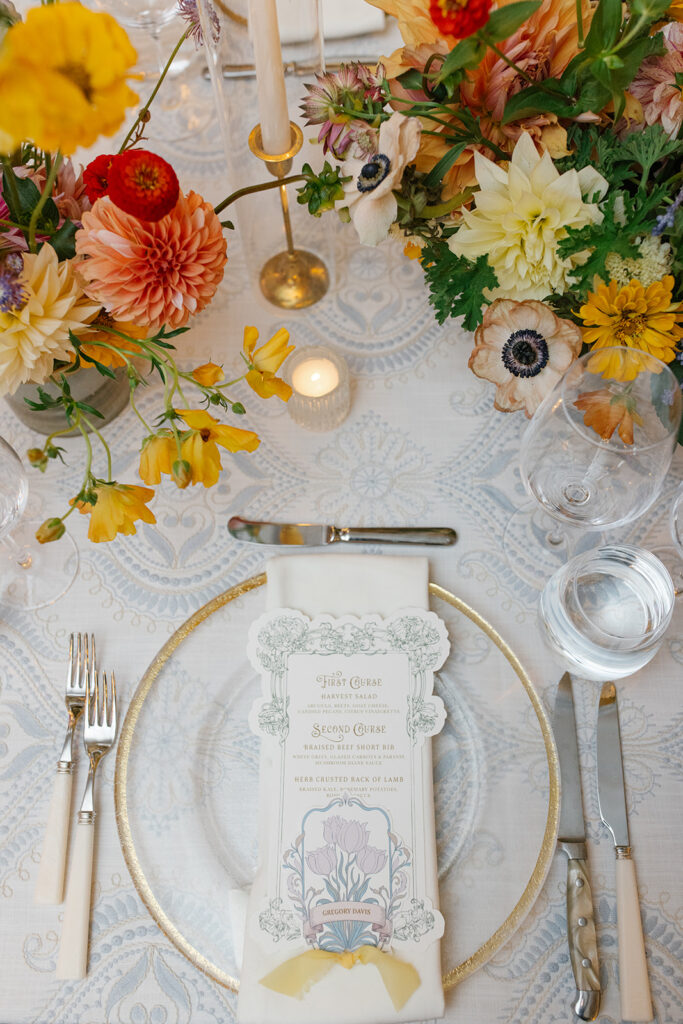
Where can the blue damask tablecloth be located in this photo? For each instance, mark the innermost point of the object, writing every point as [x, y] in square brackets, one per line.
[422, 444]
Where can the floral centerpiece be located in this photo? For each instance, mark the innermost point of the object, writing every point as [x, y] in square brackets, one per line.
[104, 267]
[529, 154]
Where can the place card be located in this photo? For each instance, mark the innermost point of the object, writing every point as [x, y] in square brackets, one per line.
[345, 900]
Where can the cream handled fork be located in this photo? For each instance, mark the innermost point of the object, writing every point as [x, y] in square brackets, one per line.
[99, 733]
[50, 883]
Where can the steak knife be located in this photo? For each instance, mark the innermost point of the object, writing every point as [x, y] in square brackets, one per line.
[634, 985]
[583, 946]
[318, 535]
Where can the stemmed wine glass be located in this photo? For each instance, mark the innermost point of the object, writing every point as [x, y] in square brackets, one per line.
[31, 574]
[594, 456]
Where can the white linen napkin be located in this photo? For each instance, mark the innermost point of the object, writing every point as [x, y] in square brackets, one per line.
[341, 585]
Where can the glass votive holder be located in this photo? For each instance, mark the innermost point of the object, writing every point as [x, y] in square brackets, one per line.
[321, 395]
[606, 611]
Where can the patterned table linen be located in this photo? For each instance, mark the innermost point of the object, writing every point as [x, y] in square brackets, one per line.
[422, 445]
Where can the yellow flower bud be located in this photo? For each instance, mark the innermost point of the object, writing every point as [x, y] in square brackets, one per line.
[181, 473]
[208, 374]
[51, 529]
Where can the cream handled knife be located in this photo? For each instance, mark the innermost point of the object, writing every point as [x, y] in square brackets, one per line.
[634, 985]
[583, 947]
[318, 535]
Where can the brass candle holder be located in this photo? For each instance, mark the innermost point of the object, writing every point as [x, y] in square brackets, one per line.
[295, 278]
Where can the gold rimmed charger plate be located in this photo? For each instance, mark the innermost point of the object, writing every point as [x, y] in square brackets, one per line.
[142, 859]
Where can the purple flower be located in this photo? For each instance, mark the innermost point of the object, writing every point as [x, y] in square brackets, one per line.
[13, 295]
[353, 836]
[322, 861]
[331, 829]
[666, 221]
[371, 860]
[189, 11]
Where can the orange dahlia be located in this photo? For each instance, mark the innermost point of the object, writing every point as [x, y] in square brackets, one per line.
[152, 273]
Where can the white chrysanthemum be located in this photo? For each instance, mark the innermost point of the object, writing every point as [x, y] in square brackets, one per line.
[521, 214]
[31, 338]
[652, 263]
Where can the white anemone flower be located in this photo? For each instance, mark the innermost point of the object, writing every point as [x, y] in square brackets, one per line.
[36, 333]
[369, 193]
[521, 214]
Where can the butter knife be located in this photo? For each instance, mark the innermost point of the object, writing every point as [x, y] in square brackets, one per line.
[583, 947]
[318, 535]
[634, 985]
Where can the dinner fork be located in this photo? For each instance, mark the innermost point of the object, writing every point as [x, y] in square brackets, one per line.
[99, 733]
[50, 883]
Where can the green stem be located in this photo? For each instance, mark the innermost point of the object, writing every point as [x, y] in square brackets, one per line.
[510, 63]
[579, 23]
[57, 433]
[104, 444]
[142, 112]
[10, 183]
[234, 196]
[45, 195]
[137, 412]
[442, 209]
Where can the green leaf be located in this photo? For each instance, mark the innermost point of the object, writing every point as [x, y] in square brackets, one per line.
[238, 408]
[411, 79]
[465, 54]
[605, 26]
[456, 284]
[507, 20]
[21, 199]
[444, 165]
[650, 10]
[63, 241]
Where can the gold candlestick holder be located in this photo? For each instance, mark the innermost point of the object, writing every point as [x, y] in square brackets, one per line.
[295, 278]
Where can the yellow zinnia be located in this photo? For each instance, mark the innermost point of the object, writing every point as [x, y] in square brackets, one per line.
[63, 77]
[116, 509]
[643, 319]
[200, 445]
[264, 363]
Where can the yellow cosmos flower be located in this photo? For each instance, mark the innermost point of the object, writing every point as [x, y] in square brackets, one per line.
[116, 510]
[63, 77]
[200, 446]
[643, 319]
[157, 456]
[264, 363]
[208, 374]
[95, 343]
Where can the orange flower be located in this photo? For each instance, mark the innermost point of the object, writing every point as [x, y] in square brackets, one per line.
[94, 342]
[265, 361]
[606, 412]
[152, 273]
[116, 509]
[208, 374]
[200, 446]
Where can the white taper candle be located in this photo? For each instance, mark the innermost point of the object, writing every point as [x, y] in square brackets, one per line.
[270, 79]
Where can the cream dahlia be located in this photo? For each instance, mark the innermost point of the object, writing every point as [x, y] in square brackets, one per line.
[152, 273]
[657, 84]
[523, 348]
[521, 214]
[36, 333]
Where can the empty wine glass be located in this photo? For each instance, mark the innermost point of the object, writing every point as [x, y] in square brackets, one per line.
[31, 574]
[594, 455]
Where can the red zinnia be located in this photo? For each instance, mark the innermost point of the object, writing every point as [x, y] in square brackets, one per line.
[459, 18]
[143, 184]
[96, 175]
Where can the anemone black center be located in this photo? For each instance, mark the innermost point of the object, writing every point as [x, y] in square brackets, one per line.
[373, 172]
[525, 353]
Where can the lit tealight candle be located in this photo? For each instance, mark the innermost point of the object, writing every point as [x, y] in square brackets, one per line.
[320, 388]
[315, 377]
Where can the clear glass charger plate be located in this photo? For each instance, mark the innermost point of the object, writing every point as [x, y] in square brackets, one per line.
[186, 786]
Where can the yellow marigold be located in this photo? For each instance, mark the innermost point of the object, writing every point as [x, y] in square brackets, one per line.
[265, 362]
[200, 445]
[208, 374]
[644, 319]
[63, 77]
[116, 509]
[157, 456]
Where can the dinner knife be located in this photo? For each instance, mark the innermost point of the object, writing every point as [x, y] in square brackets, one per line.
[634, 985]
[318, 535]
[583, 946]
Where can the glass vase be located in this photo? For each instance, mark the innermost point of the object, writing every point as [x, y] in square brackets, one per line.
[109, 396]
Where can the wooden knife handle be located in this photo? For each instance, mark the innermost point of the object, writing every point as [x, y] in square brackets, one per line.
[634, 984]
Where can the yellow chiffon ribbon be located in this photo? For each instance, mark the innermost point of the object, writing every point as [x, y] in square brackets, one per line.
[295, 977]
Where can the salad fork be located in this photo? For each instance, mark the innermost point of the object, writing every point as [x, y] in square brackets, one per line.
[99, 733]
[50, 883]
